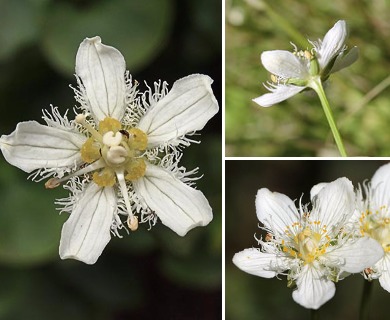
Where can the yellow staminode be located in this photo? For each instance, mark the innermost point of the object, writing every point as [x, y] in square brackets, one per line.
[376, 226]
[109, 124]
[104, 178]
[90, 151]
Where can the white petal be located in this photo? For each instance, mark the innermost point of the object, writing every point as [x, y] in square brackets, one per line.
[278, 94]
[356, 255]
[87, 231]
[333, 43]
[34, 146]
[344, 61]
[102, 71]
[316, 189]
[179, 206]
[334, 204]
[384, 265]
[185, 109]
[313, 288]
[258, 263]
[380, 183]
[275, 210]
[284, 64]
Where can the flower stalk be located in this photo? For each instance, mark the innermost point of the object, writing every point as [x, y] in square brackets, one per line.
[316, 85]
[314, 314]
[365, 302]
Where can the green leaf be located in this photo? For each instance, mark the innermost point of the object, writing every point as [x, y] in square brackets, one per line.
[138, 29]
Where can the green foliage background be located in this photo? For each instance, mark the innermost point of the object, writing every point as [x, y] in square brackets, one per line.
[147, 274]
[359, 95]
[249, 297]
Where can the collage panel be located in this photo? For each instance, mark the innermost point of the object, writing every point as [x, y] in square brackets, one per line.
[111, 159]
[306, 78]
[307, 239]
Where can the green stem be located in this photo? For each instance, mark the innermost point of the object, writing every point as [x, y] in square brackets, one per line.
[316, 85]
[314, 314]
[365, 302]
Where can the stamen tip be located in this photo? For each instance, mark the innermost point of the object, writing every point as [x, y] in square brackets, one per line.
[80, 118]
[132, 223]
[52, 183]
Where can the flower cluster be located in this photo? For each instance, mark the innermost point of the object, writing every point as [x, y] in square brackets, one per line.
[344, 232]
[291, 73]
[372, 219]
[120, 154]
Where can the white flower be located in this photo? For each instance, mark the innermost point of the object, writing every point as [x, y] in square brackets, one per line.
[308, 246]
[119, 155]
[372, 219]
[293, 72]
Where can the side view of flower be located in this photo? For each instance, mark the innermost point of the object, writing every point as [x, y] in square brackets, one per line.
[120, 155]
[372, 219]
[308, 245]
[294, 72]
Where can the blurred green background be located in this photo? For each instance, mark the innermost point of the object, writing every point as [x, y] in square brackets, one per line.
[147, 274]
[250, 297]
[359, 95]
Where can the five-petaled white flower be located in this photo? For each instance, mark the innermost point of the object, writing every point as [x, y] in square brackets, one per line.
[308, 246]
[119, 155]
[372, 219]
[293, 72]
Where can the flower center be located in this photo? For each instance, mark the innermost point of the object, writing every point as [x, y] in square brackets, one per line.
[120, 149]
[309, 58]
[307, 243]
[114, 154]
[376, 225]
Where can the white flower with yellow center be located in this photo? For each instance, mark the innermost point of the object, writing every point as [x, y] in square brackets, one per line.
[293, 72]
[372, 218]
[307, 245]
[119, 155]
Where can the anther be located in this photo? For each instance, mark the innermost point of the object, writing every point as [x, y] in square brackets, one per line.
[308, 55]
[80, 118]
[268, 237]
[132, 223]
[368, 271]
[52, 183]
